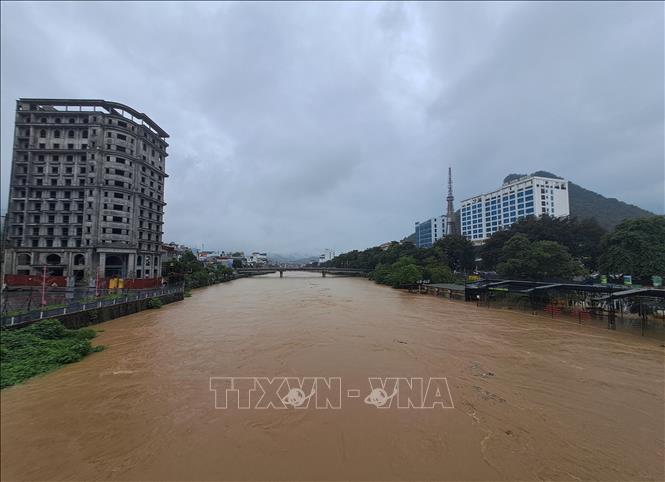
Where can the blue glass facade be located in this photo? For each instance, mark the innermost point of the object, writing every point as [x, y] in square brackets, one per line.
[485, 215]
[424, 234]
[430, 231]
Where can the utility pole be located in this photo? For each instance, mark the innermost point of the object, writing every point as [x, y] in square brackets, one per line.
[450, 212]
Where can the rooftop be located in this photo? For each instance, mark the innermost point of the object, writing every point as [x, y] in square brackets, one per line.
[111, 107]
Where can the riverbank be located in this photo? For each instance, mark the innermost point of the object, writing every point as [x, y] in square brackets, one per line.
[534, 398]
[41, 348]
[84, 312]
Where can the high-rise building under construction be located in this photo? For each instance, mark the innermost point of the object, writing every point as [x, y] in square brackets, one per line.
[86, 196]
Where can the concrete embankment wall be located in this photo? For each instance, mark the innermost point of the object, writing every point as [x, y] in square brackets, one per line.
[106, 313]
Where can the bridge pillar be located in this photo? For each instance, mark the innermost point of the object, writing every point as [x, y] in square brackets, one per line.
[323, 273]
[281, 273]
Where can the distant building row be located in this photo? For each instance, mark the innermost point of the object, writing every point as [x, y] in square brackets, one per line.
[173, 251]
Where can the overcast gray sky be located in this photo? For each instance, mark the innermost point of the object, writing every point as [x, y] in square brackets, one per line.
[303, 126]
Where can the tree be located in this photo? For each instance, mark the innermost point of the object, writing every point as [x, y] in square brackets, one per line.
[458, 251]
[581, 238]
[381, 273]
[438, 273]
[635, 247]
[538, 260]
[404, 272]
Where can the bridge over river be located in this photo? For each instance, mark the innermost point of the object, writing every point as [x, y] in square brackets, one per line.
[316, 269]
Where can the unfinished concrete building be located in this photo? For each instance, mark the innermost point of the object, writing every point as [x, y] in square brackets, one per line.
[86, 196]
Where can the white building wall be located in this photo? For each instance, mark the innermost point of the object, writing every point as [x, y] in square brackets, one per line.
[483, 215]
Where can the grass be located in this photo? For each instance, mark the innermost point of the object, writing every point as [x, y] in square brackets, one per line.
[41, 348]
[22, 311]
[91, 299]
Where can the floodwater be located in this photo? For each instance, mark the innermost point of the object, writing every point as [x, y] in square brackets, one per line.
[534, 398]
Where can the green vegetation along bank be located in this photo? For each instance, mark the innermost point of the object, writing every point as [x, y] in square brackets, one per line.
[538, 249]
[402, 264]
[193, 273]
[41, 348]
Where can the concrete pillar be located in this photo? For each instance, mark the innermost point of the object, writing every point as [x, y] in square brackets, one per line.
[70, 264]
[131, 266]
[89, 267]
[281, 274]
[323, 273]
[102, 265]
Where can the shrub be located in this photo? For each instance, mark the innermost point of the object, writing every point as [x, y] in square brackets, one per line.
[47, 329]
[154, 303]
[40, 348]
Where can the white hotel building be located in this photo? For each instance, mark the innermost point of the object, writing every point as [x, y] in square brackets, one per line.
[483, 215]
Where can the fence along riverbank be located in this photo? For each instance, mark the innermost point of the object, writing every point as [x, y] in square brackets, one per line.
[85, 311]
[638, 311]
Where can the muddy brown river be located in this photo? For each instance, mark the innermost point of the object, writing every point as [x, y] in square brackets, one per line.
[534, 398]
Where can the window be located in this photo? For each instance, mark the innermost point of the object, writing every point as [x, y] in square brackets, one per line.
[56, 134]
[23, 259]
[42, 133]
[70, 134]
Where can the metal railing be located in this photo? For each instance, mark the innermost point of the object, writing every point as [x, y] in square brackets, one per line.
[79, 306]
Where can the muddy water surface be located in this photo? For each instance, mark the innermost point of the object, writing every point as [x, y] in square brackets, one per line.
[534, 398]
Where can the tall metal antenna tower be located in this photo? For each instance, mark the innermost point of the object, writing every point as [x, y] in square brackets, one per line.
[450, 212]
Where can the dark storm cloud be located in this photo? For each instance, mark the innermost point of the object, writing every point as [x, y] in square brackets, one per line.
[296, 127]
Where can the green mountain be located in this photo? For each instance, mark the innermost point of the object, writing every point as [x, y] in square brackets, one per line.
[584, 204]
